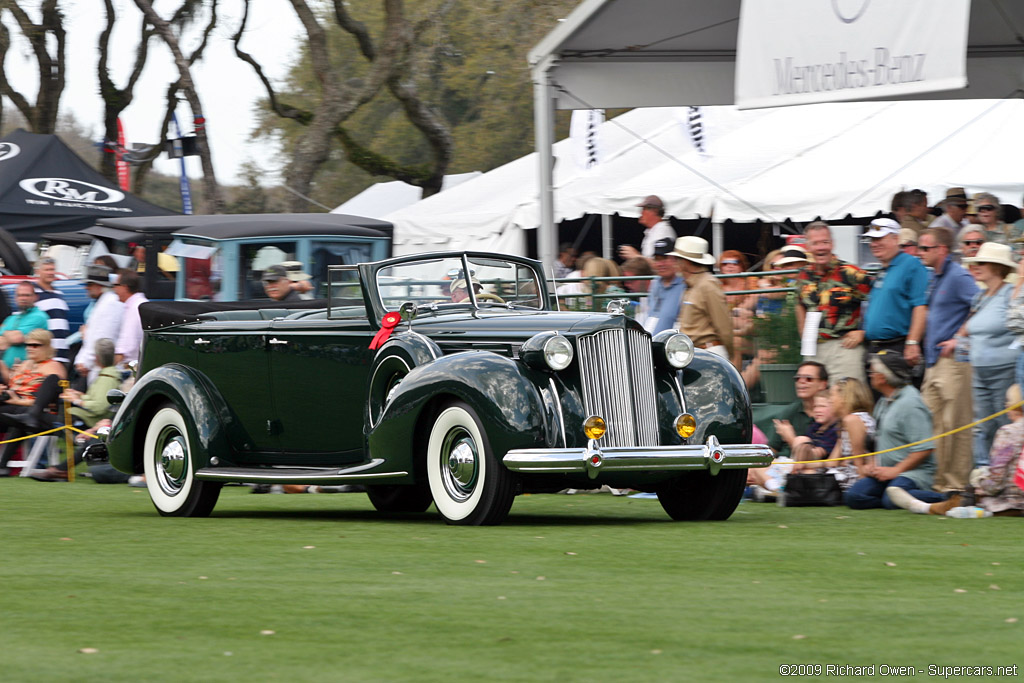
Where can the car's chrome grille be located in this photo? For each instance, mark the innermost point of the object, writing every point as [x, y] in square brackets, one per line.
[617, 372]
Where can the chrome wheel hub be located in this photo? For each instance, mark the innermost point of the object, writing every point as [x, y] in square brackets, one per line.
[171, 455]
[459, 465]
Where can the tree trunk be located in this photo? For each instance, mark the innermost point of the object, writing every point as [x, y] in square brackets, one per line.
[214, 200]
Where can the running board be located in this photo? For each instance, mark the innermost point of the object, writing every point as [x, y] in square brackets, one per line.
[297, 475]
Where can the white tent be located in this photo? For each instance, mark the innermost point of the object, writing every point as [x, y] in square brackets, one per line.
[826, 160]
[491, 212]
[380, 199]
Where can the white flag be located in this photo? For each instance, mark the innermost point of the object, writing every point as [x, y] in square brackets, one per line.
[584, 131]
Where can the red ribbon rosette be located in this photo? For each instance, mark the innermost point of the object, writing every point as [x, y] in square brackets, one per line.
[387, 325]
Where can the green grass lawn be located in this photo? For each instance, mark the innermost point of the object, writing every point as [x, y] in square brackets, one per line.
[570, 588]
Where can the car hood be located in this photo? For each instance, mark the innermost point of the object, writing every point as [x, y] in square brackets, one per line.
[516, 326]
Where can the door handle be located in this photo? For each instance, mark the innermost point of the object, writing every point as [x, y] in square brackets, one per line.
[200, 341]
[275, 340]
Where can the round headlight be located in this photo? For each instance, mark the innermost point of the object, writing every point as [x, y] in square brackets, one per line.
[678, 350]
[595, 427]
[558, 352]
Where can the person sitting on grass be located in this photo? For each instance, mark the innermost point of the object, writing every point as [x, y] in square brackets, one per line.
[89, 408]
[820, 438]
[32, 385]
[902, 419]
[851, 404]
[992, 487]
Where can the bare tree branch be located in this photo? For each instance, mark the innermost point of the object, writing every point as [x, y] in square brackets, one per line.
[283, 110]
[42, 116]
[212, 194]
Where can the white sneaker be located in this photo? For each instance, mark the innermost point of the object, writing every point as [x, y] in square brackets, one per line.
[137, 480]
[906, 501]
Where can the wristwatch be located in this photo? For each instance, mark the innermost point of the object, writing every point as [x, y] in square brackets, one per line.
[912, 342]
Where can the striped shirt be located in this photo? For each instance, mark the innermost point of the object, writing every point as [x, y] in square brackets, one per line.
[51, 302]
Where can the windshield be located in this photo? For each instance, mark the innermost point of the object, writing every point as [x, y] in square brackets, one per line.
[441, 282]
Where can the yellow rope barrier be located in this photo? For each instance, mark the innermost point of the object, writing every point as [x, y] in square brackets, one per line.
[917, 443]
[51, 431]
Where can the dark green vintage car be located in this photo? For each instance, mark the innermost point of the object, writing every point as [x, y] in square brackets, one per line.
[480, 392]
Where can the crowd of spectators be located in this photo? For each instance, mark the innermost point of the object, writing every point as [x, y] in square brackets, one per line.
[39, 367]
[900, 358]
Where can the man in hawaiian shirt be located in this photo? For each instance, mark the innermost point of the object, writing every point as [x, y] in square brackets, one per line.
[836, 289]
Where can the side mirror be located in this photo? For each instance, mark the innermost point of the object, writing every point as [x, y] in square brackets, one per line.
[115, 397]
[133, 365]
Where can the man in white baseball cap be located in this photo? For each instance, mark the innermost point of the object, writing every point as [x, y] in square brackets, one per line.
[898, 303]
[703, 313]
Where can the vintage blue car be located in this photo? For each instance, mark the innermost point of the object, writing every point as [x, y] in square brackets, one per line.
[444, 379]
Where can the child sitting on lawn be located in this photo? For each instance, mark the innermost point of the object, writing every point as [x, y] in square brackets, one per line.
[820, 439]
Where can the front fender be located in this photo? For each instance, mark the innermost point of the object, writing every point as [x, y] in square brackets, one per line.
[506, 394]
[198, 401]
[718, 400]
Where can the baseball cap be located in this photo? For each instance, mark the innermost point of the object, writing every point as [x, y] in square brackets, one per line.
[664, 246]
[880, 227]
[652, 201]
[275, 273]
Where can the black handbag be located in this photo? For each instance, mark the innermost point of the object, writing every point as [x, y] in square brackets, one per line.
[812, 490]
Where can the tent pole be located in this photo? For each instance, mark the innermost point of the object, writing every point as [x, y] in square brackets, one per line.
[607, 244]
[717, 238]
[544, 125]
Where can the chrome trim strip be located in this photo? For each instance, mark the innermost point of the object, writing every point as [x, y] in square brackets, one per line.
[679, 388]
[558, 409]
[239, 474]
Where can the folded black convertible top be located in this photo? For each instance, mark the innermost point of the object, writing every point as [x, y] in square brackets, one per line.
[157, 314]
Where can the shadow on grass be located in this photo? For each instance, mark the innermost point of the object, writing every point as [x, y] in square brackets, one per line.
[431, 517]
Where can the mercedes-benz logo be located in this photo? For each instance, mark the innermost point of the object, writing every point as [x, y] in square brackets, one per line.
[850, 11]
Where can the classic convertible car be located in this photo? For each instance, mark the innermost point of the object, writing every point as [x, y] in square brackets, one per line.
[443, 378]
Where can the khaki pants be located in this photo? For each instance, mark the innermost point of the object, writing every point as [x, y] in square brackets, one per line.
[945, 392]
[839, 361]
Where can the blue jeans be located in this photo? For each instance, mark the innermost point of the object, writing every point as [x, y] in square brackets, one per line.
[869, 493]
[989, 385]
[1020, 371]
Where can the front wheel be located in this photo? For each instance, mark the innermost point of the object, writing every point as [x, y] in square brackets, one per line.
[167, 462]
[468, 484]
[700, 495]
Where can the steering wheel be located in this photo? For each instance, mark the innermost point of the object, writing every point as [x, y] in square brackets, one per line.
[487, 296]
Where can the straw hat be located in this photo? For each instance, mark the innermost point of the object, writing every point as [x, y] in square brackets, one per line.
[693, 249]
[993, 252]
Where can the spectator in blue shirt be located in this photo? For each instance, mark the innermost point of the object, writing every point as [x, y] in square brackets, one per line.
[18, 324]
[897, 306]
[947, 374]
[666, 291]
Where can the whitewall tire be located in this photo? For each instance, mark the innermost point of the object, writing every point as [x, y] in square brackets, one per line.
[167, 462]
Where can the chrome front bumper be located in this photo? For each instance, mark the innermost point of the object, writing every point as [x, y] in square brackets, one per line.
[711, 456]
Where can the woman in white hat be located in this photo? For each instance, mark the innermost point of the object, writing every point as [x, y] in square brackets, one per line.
[993, 358]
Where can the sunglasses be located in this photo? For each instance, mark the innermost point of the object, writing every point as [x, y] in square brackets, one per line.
[730, 262]
[33, 345]
[986, 207]
[974, 243]
[924, 248]
[806, 378]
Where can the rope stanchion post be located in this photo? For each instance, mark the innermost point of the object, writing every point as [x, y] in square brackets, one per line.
[69, 444]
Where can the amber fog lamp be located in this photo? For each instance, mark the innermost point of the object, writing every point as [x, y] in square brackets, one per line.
[595, 427]
[686, 425]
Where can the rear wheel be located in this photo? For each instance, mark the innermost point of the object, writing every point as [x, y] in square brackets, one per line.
[167, 462]
[702, 496]
[399, 498]
[468, 484]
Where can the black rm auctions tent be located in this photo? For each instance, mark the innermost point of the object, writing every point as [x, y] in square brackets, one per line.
[46, 188]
